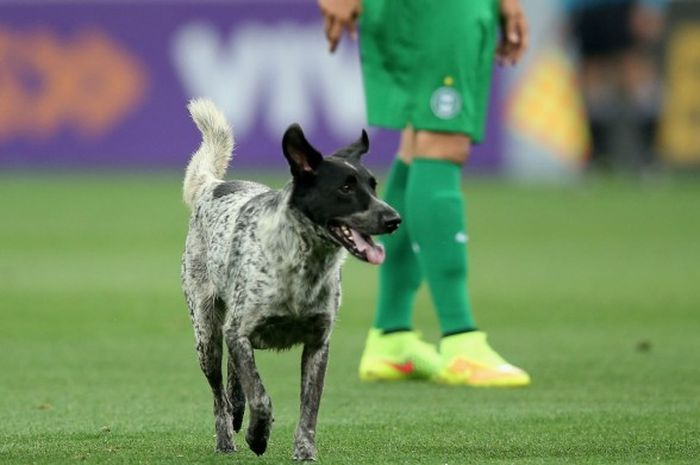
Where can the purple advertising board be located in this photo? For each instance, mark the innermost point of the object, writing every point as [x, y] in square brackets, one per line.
[105, 84]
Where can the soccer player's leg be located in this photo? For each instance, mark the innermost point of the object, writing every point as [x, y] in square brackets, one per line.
[400, 275]
[393, 351]
[437, 223]
[449, 88]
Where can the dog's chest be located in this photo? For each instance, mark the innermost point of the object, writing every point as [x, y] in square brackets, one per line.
[296, 306]
[282, 331]
[301, 285]
[289, 274]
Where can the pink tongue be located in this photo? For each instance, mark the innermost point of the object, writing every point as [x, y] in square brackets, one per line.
[375, 252]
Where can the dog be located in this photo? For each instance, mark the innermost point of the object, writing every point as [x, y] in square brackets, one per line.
[261, 268]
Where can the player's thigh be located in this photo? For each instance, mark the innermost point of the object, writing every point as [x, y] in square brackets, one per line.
[449, 146]
[386, 56]
[451, 77]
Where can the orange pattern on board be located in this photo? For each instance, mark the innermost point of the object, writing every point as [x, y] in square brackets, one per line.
[88, 83]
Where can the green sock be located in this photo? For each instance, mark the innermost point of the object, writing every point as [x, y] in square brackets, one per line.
[437, 226]
[400, 274]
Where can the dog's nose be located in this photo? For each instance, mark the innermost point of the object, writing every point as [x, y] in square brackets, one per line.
[392, 222]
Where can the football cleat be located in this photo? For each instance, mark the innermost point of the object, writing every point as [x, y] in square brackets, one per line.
[469, 360]
[398, 356]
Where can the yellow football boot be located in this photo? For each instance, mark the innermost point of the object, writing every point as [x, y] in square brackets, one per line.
[398, 356]
[469, 360]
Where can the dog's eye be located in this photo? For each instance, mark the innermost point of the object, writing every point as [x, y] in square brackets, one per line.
[373, 183]
[347, 188]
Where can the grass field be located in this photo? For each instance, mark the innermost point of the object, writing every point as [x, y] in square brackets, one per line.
[595, 289]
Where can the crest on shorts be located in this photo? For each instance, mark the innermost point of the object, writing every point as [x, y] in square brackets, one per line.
[445, 102]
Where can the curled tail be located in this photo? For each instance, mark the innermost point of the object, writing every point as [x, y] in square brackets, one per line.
[209, 162]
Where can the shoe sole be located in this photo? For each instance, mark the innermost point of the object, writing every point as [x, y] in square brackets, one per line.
[505, 383]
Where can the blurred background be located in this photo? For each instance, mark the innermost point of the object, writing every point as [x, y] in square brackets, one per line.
[608, 85]
[584, 234]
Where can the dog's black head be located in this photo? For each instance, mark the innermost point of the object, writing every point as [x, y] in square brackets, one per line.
[338, 193]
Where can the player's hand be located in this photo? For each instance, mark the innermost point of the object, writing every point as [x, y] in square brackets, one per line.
[339, 16]
[514, 33]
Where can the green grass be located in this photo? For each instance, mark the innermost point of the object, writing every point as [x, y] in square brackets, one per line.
[595, 289]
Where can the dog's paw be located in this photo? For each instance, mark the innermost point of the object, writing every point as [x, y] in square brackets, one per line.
[304, 457]
[304, 451]
[237, 417]
[224, 440]
[226, 448]
[237, 423]
[236, 408]
[258, 444]
[258, 433]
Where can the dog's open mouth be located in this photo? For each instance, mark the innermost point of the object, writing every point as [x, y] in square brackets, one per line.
[358, 244]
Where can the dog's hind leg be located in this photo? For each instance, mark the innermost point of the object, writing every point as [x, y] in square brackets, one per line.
[259, 402]
[207, 315]
[314, 360]
[234, 392]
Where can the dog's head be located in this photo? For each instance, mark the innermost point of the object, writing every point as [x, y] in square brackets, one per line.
[338, 193]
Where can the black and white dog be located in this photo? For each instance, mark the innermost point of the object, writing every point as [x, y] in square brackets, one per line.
[261, 268]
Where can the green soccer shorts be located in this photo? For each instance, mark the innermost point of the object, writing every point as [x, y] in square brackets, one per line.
[428, 63]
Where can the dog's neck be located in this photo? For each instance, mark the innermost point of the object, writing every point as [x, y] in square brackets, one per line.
[296, 238]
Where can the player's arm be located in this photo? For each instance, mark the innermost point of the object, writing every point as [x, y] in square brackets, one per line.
[339, 16]
[514, 32]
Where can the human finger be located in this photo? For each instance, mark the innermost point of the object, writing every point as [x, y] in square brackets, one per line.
[334, 33]
[524, 34]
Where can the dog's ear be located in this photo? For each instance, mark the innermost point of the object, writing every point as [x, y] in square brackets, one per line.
[360, 146]
[302, 157]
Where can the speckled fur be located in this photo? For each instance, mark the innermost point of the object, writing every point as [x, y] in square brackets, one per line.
[257, 274]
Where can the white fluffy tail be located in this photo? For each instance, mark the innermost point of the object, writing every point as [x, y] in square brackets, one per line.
[209, 162]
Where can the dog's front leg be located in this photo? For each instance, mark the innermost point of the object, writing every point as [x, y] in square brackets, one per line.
[313, 370]
[259, 402]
